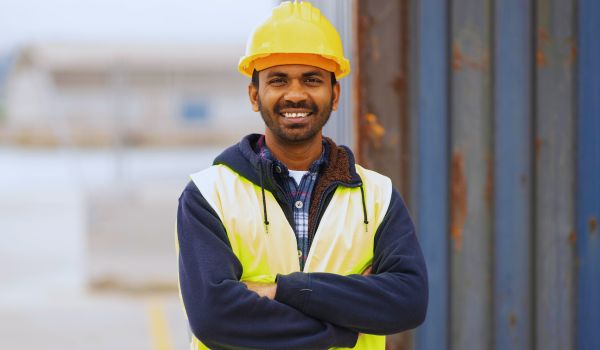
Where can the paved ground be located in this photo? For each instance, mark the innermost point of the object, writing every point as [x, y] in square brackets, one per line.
[50, 205]
[95, 323]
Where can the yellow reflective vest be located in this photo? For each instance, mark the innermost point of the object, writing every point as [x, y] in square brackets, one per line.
[342, 244]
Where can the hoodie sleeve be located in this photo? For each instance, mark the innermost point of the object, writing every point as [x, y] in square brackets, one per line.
[393, 298]
[221, 311]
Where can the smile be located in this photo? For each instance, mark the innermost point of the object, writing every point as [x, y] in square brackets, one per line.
[296, 115]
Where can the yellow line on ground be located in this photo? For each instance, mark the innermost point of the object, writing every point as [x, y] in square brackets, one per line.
[159, 328]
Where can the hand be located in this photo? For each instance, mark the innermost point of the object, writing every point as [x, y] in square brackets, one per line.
[262, 289]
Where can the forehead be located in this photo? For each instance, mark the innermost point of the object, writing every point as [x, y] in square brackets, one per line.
[293, 70]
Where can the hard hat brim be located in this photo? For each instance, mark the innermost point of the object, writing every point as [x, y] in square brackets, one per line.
[340, 67]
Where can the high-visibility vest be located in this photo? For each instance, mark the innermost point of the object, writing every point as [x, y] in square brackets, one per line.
[342, 244]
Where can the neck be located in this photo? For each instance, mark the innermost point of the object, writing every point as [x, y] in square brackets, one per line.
[295, 156]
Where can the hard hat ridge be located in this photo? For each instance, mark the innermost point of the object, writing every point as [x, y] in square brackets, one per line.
[305, 12]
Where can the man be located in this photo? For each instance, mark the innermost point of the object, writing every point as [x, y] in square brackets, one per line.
[286, 243]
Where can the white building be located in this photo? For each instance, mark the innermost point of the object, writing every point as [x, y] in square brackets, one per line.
[134, 95]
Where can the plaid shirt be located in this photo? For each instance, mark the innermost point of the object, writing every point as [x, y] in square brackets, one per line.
[298, 195]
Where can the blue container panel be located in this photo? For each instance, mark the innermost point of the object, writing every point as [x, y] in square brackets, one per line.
[588, 175]
[512, 174]
[433, 161]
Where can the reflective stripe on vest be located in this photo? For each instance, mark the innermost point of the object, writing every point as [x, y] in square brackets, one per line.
[343, 243]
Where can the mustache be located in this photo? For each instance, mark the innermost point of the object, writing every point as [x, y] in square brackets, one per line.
[298, 105]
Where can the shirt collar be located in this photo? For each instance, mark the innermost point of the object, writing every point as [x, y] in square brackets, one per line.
[263, 151]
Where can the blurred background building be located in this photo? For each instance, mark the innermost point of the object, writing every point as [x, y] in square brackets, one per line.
[485, 114]
[97, 95]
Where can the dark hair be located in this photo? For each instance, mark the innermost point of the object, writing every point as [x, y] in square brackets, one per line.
[255, 79]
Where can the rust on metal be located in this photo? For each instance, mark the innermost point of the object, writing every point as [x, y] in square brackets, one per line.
[572, 237]
[366, 21]
[374, 130]
[458, 192]
[399, 84]
[460, 60]
[457, 57]
[512, 320]
[593, 224]
[540, 58]
[543, 39]
[538, 146]
[375, 48]
[543, 35]
[572, 58]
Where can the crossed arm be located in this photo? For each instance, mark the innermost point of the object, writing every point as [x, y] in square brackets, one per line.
[226, 313]
[269, 290]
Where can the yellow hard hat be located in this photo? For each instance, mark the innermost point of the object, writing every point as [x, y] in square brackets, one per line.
[296, 33]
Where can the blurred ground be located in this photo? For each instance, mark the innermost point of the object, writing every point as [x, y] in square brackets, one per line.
[86, 255]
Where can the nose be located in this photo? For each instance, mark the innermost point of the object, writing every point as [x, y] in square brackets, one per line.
[295, 92]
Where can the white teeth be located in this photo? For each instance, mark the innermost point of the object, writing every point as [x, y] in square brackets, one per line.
[295, 115]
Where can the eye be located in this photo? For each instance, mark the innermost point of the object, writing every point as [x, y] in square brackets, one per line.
[277, 81]
[314, 81]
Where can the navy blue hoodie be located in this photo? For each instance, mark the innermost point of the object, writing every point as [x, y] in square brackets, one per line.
[224, 314]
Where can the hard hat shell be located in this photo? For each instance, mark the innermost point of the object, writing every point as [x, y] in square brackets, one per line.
[296, 33]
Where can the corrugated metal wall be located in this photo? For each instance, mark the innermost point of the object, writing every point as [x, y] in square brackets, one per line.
[486, 114]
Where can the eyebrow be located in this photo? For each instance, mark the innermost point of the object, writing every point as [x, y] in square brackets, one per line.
[276, 74]
[304, 75]
[312, 73]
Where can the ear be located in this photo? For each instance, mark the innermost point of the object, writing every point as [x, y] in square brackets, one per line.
[253, 95]
[336, 96]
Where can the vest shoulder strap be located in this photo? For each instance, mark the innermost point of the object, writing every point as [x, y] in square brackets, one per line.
[213, 181]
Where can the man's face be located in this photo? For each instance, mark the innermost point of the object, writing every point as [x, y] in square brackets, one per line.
[295, 101]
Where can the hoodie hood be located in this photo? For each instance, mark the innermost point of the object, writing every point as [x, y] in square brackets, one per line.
[243, 159]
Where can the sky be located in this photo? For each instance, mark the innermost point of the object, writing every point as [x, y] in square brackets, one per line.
[129, 21]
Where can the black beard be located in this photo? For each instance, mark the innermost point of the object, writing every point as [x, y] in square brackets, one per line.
[269, 122]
